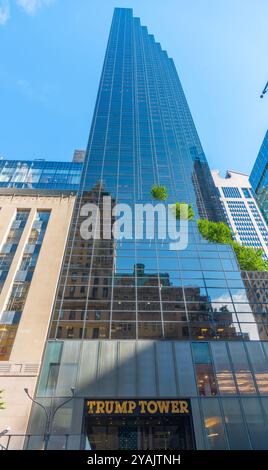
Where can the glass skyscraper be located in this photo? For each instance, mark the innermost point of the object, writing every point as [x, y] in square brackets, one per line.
[162, 347]
[259, 177]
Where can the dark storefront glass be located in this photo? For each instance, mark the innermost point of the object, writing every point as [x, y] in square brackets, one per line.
[141, 433]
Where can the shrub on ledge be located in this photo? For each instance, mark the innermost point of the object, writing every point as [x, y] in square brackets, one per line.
[179, 212]
[159, 192]
[217, 232]
[249, 258]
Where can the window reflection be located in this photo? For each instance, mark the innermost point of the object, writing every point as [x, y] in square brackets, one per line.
[205, 376]
[97, 331]
[237, 432]
[40, 174]
[10, 245]
[223, 369]
[214, 427]
[259, 365]
[241, 366]
[123, 330]
[256, 423]
[123, 282]
[19, 290]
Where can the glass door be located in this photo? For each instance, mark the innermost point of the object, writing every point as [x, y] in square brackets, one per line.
[139, 433]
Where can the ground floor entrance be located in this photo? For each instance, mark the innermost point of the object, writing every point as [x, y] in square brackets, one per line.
[159, 431]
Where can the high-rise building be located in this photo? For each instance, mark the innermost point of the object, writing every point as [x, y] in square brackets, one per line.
[241, 209]
[36, 199]
[259, 177]
[79, 156]
[156, 343]
[33, 232]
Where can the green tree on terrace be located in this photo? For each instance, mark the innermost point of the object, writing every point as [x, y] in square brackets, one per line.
[178, 211]
[217, 232]
[159, 192]
[249, 258]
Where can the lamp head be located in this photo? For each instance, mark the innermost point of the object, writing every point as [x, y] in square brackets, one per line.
[5, 431]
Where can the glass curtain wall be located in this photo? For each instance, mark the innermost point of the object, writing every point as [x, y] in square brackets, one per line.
[142, 135]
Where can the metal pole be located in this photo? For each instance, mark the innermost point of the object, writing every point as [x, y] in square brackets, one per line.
[46, 437]
[57, 409]
[49, 414]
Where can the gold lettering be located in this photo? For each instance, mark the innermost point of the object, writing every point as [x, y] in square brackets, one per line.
[152, 407]
[121, 408]
[184, 406]
[109, 407]
[100, 407]
[164, 406]
[175, 406]
[90, 405]
[131, 406]
[143, 404]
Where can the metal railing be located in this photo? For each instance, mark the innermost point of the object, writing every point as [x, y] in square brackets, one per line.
[42, 441]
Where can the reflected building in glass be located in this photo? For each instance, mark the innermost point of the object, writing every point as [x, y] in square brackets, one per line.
[259, 177]
[135, 325]
[241, 208]
[41, 174]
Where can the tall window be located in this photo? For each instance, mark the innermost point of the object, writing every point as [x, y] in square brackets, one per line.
[10, 245]
[10, 318]
[205, 376]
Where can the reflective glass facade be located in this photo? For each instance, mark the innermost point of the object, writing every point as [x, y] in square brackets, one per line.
[40, 174]
[259, 177]
[132, 318]
[143, 134]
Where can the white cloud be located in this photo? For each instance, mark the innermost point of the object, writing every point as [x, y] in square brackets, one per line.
[31, 91]
[40, 92]
[31, 6]
[4, 12]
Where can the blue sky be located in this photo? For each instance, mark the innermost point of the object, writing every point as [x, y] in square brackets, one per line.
[51, 54]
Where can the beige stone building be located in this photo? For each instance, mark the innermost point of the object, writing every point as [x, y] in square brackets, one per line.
[33, 233]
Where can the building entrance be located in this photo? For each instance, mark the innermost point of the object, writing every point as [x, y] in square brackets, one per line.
[139, 432]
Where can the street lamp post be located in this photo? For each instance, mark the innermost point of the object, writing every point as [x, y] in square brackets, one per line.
[3, 433]
[49, 414]
[264, 91]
